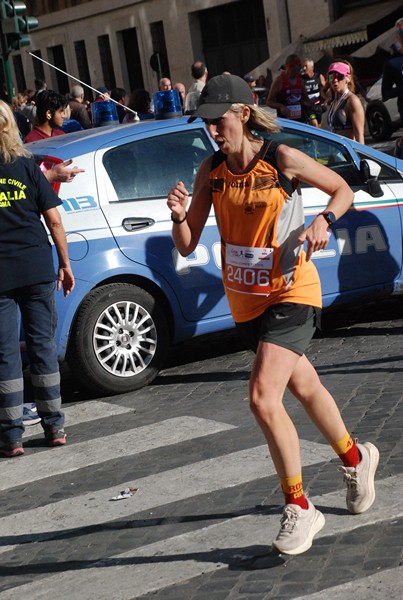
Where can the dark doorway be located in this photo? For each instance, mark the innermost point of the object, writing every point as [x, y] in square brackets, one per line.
[19, 73]
[159, 49]
[83, 69]
[132, 57]
[37, 63]
[105, 54]
[234, 37]
[57, 53]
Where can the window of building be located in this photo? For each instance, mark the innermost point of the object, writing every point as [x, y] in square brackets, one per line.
[234, 37]
[105, 55]
[19, 73]
[38, 65]
[83, 69]
[128, 39]
[57, 58]
[159, 47]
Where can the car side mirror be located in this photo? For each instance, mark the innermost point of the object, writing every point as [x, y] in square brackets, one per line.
[369, 171]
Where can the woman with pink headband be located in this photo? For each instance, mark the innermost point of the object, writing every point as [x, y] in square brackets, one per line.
[346, 114]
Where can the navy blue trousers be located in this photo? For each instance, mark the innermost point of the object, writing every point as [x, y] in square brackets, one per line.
[39, 318]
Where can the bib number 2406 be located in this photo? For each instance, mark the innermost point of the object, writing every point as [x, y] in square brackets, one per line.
[248, 269]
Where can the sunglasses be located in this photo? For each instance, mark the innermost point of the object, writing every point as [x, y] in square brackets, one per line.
[335, 77]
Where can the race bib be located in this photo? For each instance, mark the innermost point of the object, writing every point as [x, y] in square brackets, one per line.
[248, 269]
[295, 111]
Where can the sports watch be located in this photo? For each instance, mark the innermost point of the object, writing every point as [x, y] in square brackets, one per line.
[330, 217]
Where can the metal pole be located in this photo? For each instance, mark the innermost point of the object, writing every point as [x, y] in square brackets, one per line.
[79, 81]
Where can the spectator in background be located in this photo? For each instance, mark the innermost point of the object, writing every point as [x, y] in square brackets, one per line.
[346, 114]
[392, 79]
[287, 92]
[79, 110]
[23, 123]
[180, 88]
[119, 95]
[28, 93]
[394, 49]
[19, 100]
[103, 94]
[69, 124]
[200, 75]
[140, 101]
[28, 109]
[261, 81]
[40, 86]
[50, 107]
[262, 85]
[51, 110]
[164, 84]
[314, 84]
[251, 81]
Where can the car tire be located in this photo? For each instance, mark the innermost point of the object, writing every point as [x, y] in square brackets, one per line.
[379, 122]
[119, 340]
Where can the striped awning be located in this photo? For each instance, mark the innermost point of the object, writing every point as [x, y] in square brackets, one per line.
[336, 41]
[351, 28]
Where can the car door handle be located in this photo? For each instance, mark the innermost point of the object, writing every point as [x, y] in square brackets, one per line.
[135, 223]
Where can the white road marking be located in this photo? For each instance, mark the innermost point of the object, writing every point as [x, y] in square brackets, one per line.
[155, 490]
[26, 469]
[83, 412]
[172, 561]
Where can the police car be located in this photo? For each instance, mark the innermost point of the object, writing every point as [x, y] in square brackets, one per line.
[135, 295]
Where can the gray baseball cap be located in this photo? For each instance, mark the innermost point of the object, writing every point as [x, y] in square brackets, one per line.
[219, 94]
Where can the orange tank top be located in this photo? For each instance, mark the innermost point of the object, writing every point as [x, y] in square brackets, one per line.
[259, 223]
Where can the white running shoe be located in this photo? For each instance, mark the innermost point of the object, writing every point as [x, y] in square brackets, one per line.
[360, 479]
[297, 529]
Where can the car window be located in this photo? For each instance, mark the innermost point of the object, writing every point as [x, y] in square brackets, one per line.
[387, 173]
[148, 168]
[328, 153]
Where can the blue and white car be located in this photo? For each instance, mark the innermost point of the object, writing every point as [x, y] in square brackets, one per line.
[381, 118]
[135, 295]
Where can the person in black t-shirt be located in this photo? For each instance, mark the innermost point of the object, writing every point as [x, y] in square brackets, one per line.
[314, 84]
[27, 283]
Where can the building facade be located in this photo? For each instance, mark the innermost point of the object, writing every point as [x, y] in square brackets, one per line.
[132, 43]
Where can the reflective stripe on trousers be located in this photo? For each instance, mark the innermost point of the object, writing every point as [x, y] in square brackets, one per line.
[38, 313]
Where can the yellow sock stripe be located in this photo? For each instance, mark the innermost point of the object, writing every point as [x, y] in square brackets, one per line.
[290, 485]
[343, 445]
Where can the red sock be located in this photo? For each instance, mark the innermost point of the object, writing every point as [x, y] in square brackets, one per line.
[347, 451]
[293, 491]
